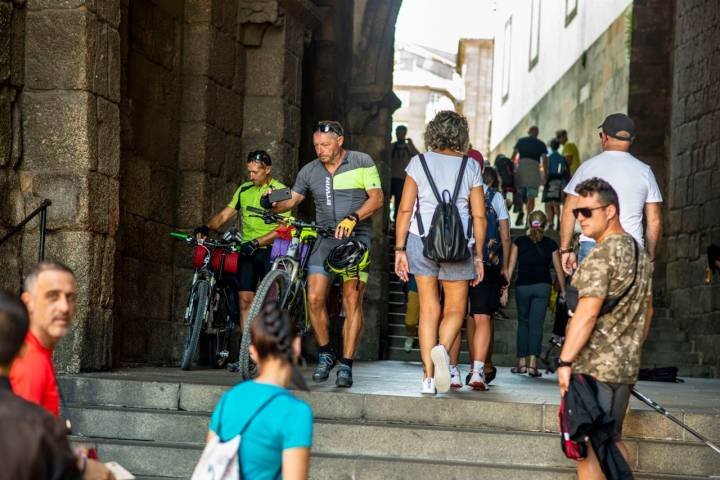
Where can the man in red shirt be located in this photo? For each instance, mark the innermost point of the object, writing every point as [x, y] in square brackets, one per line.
[50, 295]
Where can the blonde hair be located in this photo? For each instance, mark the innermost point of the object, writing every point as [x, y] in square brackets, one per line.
[536, 234]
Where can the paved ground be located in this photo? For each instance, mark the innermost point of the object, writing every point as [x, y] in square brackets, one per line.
[403, 379]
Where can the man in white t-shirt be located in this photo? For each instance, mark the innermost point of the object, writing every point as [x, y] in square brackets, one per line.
[632, 179]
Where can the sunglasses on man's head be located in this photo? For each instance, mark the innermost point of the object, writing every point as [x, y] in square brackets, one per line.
[585, 211]
[328, 128]
[259, 156]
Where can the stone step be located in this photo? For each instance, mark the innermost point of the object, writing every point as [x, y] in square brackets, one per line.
[180, 460]
[400, 443]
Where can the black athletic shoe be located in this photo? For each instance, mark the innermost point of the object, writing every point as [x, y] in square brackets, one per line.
[326, 362]
[344, 377]
[520, 218]
[489, 377]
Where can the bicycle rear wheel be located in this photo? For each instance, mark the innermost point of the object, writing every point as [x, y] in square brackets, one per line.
[199, 300]
[273, 288]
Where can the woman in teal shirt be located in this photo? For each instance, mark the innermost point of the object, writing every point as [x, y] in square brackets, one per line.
[278, 427]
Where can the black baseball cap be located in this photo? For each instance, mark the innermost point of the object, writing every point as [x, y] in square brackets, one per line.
[619, 126]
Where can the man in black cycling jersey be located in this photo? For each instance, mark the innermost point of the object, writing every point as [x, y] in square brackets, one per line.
[257, 235]
[346, 188]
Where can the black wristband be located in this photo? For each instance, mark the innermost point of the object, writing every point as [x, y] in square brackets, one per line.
[355, 216]
[202, 229]
[562, 363]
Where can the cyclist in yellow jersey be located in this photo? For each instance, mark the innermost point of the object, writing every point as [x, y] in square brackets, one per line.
[257, 235]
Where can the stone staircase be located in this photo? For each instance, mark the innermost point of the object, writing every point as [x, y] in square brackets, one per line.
[156, 429]
[667, 343]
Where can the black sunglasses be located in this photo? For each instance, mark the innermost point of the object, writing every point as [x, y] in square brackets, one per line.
[585, 212]
[260, 156]
[328, 128]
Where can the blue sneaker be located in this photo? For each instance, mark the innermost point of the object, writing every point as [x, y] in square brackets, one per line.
[344, 376]
[326, 362]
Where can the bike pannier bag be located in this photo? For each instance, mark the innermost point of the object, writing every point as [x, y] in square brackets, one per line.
[445, 242]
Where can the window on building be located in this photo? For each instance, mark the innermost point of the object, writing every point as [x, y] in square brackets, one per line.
[534, 33]
[506, 60]
[571, 7]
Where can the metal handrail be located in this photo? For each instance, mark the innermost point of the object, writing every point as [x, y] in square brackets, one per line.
[42, 210]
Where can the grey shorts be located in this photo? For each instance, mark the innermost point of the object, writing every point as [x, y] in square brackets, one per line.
[421, 265]
[613, 399]
[322, 248]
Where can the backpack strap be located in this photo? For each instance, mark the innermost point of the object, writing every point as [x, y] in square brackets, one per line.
[430, 179]
[262, 407]
[418, 218]
[461, 173]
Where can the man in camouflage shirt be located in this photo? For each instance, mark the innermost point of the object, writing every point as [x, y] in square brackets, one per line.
[608, 346]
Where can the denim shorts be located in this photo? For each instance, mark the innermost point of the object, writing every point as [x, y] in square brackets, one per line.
[421, 265]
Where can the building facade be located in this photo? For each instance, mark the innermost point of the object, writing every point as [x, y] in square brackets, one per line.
[561, 64]
[426, 82]
[475, 66]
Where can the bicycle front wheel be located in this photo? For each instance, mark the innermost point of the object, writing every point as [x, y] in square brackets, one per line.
[198, 314]
[273, 288]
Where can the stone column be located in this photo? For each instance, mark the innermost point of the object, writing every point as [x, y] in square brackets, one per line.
[12, 70]
[274, 36]
[70, 123]
[369, 106]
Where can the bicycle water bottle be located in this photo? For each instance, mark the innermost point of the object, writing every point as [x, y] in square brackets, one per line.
[292, 248]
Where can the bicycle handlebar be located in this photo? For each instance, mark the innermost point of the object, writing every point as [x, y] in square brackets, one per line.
[271, 217]
[191, 240]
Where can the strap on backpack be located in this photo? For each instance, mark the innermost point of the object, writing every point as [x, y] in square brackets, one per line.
[439, 199]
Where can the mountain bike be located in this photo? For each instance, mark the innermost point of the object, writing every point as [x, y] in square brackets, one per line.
[212, 305]
[287, 279]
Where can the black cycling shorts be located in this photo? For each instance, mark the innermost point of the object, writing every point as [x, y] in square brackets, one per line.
[485, 296]
[252, 269]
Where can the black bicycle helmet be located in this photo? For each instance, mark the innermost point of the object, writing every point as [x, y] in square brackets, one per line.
[348, 258]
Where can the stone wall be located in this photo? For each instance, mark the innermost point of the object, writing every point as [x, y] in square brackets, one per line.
[694, 173]
[595, 86]
[12, 71]
[59, 95]
[475, 64]
[150, 112]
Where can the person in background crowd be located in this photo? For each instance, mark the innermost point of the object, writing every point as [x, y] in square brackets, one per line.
[506, 170]
[569, 151]
[532, 152]
[634, 183]
[607, 347]
[478, 157]
[534, 255]
[275, 426]
[556, 170]
[33, 442]
[403, 149]
[485, 296]
[447, 137]
[412, 314]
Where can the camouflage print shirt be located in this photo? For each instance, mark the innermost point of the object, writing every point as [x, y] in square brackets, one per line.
[613, 352]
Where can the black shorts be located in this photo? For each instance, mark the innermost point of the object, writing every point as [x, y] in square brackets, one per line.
[485, 296]
[252, 269]
[613, 399]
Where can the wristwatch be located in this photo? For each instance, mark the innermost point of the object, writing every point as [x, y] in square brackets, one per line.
[400, 249]
[565, 250]
[562, 363]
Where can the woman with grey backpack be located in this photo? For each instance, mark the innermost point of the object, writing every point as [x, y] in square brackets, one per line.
[434, 235]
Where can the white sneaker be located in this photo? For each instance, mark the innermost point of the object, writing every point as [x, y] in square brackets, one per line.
[428, 386]
[455, 377]
[477, 380]
[441, 362]
[408, 344]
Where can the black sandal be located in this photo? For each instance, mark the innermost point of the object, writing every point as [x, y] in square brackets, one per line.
[533, 372]
[519, 369]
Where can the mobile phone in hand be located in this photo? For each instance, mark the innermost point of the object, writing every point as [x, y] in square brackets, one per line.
[280, 195]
